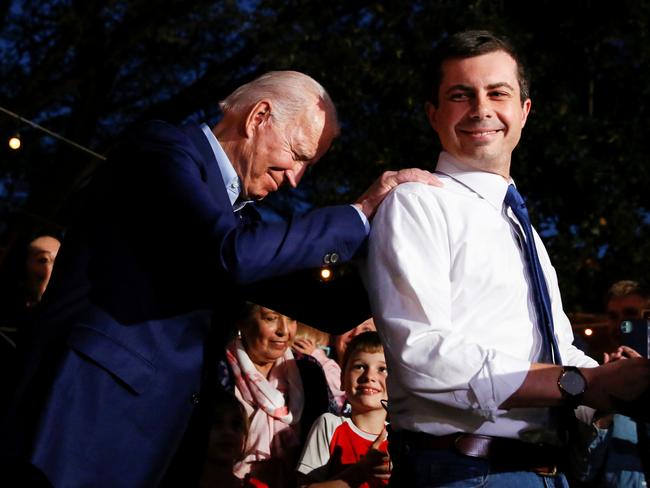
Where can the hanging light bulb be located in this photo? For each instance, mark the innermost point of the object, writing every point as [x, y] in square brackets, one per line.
[14, 141]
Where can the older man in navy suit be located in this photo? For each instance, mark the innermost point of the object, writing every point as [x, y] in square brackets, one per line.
[166, 237]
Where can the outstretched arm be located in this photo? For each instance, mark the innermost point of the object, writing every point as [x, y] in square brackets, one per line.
[607, 385]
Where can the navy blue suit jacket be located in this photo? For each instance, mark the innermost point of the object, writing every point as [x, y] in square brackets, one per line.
[156, 256]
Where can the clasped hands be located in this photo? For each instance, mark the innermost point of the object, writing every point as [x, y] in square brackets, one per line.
[621, 384]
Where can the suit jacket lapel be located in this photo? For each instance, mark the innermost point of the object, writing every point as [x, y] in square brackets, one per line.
[214, 179]
[213, 176]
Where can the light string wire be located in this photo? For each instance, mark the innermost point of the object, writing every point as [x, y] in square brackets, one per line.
[53, 134]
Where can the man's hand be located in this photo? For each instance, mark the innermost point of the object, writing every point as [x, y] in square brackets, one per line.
[623, 352]
[373, 196]
[617, 382]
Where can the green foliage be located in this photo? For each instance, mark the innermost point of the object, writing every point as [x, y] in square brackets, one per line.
[89, 68]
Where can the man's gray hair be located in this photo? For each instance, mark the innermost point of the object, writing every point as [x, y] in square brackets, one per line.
[625, 288]
[292, 93]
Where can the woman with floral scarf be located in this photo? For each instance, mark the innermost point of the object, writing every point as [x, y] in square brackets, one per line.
[272, 383]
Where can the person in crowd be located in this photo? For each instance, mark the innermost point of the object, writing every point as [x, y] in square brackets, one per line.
[28, 267]
[315, 342]
[466, 300]
[227, 444]
[352, 451]
[339, 344]
[166, 235]
[312, 341]
[609, 455]
[41, 254]
[26, 274]
[626, 300]
[282, 393]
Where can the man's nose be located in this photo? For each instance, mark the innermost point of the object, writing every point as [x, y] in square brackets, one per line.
[481, 107]
[295, 174]
[291, 178]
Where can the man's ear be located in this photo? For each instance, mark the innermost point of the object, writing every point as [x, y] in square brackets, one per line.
[525, 111]
[257, 116]
[431, 111]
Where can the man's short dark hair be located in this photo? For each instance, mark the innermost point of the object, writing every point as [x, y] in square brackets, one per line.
[468, 44]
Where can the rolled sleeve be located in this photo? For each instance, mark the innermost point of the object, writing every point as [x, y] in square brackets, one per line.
[500, 376]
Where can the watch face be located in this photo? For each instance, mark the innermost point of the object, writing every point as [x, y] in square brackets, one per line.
[573, 383]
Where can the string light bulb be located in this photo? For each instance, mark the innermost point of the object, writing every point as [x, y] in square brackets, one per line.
[14, 142]
[325, 274]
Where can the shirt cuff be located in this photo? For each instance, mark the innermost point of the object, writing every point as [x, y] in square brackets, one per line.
[494, 383]
[364, 219]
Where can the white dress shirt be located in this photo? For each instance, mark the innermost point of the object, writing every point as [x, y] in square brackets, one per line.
[230, 179]
[452, 302]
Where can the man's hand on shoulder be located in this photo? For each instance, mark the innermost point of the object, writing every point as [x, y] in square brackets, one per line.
[373, 196]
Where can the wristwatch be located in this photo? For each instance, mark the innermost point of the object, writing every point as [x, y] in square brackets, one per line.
[572, 385]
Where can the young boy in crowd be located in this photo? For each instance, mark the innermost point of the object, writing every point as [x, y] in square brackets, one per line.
[352, 451]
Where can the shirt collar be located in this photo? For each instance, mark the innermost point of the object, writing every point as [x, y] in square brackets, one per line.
[230, 179]
[490, 186]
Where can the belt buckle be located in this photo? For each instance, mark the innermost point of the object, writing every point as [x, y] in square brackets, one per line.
[545, 472]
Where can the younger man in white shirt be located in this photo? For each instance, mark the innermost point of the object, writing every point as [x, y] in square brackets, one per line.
[457, 303]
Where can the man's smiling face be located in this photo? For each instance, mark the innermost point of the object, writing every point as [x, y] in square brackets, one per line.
[480, 115]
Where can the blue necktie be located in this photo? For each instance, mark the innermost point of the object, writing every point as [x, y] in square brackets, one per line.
[550, 351]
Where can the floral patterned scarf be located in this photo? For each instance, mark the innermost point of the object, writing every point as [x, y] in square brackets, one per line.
[273, 405]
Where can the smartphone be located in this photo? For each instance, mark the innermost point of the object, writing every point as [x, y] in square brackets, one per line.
[634, 334]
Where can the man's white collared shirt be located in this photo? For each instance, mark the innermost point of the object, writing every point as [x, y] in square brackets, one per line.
[452, 302]
[230, 179]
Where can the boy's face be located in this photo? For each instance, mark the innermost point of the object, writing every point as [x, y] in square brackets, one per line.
[364, 381]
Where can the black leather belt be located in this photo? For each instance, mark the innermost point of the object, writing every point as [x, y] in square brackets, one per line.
[503, 454]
